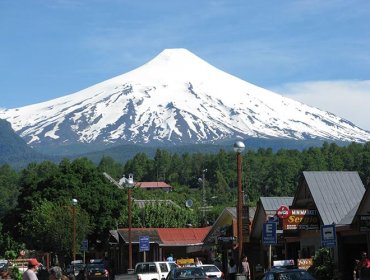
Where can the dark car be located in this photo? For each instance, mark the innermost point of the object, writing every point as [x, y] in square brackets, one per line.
[187, 272]
[96, 271]
[287, 274]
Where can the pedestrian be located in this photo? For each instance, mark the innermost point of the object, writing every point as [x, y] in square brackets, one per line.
[198, 261]
[170, 258]
[55, 273]
[364, 266]
[246, 268]
[232, 269]
[356, 270]
[30, 273]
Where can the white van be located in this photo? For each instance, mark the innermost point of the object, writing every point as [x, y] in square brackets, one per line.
[153, 270]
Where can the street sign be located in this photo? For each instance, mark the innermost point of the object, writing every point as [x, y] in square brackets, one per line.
[269, 236]
[144, 244]
[85, 245]
[283, 212]
[328, 236]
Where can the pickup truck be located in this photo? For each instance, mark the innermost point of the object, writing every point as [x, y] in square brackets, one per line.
[153, 270]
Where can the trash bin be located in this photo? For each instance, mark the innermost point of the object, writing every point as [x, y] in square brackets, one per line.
[240, 276]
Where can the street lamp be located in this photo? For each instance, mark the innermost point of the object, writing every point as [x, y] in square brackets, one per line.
[238, 149]
[129, 184]
[74, 204]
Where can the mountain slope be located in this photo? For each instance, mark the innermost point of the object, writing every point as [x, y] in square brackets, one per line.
[13, 150]
[174, 98]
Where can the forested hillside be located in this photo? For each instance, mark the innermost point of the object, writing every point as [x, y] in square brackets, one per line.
[39, 196]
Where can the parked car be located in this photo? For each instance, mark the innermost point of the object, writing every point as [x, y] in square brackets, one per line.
[212, 271]
[96, 271]
[187, 272]
[153, 270]
[287, 274]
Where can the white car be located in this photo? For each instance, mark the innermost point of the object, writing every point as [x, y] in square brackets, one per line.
[212, 271]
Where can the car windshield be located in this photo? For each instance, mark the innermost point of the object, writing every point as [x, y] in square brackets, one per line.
[189, 272]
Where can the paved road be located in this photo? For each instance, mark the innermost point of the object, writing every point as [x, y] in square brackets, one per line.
[125, 277]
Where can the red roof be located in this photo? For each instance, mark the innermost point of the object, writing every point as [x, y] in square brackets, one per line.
[177, 236]
[169, 236]
[153, 185]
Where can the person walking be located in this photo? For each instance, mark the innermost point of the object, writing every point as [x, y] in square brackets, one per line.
[30, 273]
[232, 269]
[246, 268]
[198, 261]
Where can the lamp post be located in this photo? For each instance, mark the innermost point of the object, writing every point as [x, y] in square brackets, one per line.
[74, 204]
[239, 148]
[129, 184]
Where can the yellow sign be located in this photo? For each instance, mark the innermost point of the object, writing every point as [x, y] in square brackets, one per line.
[185, 261]
[304, 263]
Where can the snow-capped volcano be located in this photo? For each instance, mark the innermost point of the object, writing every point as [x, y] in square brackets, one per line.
[175, 98]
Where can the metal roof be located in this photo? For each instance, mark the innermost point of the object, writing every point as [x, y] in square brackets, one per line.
[273, 203]
[336, 194]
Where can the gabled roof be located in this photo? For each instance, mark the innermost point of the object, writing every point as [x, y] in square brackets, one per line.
[166, 236]
[266, 206]
[336, 194]
[183, 236]
[273, 203]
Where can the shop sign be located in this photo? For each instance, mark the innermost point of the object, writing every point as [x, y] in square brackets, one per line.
[282, 212]
[302, 219]
[364, 223]
[304, 263]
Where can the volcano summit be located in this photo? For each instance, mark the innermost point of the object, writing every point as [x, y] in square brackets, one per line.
[176, 98]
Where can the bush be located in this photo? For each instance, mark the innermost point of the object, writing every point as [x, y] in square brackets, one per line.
[323, 265]
[15, 274]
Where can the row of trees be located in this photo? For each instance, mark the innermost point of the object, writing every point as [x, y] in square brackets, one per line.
[36, 210]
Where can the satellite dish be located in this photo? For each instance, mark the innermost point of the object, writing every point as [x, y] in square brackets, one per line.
[189, 203]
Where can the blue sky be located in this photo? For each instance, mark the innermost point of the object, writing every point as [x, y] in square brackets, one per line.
[317, 52]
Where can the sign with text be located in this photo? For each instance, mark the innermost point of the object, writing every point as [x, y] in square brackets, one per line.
[304, 263]
[364, 223]
[283, 212]
[328, 236]
[301, 219]
[269, 236]
[85, 245]
[144, 244]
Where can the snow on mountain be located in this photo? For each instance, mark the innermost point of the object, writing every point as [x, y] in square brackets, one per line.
[175, 98]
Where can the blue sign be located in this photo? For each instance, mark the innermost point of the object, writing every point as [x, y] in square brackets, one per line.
[328, 236]
[269, 236]
[85, 245]
[144, 244]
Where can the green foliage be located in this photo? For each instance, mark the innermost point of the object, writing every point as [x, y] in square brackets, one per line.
[15, 273]
[49, 222]
[32, 197]
[323, 265]
[9, 189]
[10, 255]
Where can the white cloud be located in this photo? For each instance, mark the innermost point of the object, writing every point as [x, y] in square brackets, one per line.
[349, 99]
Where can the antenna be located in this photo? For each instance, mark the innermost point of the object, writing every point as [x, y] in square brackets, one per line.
[123, 182]
[112, 180]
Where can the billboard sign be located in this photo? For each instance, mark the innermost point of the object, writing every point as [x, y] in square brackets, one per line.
[301, 219]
